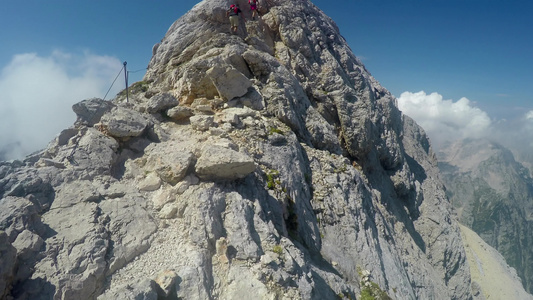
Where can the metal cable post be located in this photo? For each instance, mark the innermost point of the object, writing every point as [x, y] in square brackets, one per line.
[126, 79]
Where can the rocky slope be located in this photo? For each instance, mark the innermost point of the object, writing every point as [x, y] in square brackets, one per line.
[493, 195]
[496, 280]
[267, 164]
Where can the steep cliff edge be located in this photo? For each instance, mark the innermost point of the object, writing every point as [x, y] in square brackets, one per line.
[267, 164]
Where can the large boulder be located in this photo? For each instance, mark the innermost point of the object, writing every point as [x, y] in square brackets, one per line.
[202, 122]
[170, 161]
[161, 102]
[27, 244]
[76, 192]
[91, 110]
[230, 83]
[220, 163]
[16, 215]
[94, 153]
[123, 122]
[180, 112]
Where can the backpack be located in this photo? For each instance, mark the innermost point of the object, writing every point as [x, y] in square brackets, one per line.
[233, 9]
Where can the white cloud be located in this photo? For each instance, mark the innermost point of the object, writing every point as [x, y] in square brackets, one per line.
[529, 115]
[37, 93]
[445, 120]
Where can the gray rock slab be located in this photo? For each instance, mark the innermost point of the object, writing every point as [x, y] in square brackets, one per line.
[180, 112]
[123, 122]
[230, 83]
[170, 162]
[202, 122]
[219, 163]
[161, 102]
[27, 244]
[143, 288]
[95, 153]
[91, 110]
[131, 227]
[75, 192]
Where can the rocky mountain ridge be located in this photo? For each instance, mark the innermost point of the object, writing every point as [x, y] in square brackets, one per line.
[267, 164]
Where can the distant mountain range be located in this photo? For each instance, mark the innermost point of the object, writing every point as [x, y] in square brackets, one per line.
[493, 195]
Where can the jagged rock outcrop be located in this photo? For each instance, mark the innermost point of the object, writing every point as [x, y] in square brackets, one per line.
[493, 196]
[289, 174]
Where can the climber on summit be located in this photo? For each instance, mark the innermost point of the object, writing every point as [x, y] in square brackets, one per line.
[233, 12]
[253, 8]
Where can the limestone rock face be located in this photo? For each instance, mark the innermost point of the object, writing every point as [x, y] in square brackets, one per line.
[282, 170]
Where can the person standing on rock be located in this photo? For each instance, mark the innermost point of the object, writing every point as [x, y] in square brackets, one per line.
[253, 8]
[233, 12]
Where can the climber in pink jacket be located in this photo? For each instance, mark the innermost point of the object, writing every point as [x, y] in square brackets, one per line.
[233, 12]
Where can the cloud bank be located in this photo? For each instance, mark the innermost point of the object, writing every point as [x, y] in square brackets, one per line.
[445, 120]
[448, 121]
[37, 93]
[517, 134]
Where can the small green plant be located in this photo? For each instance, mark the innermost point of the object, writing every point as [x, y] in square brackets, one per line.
[341, 169]
[344, 295]
[369, 289]
[272, 179]
[140, 86]
[273, 130]
[278, 250]
[137, 87]
[373, 292]
[367, 295]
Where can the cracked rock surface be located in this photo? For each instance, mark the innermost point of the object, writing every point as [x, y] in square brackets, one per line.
[264, 165]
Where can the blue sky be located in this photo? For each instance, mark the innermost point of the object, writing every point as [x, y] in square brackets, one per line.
[478, 49]
[71, 50]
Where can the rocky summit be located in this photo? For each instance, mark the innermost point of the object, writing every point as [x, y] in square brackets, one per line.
[262, 164]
